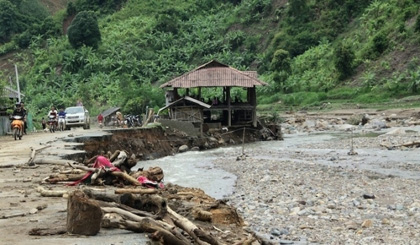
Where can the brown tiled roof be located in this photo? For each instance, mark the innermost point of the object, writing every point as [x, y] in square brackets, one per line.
[215, 74]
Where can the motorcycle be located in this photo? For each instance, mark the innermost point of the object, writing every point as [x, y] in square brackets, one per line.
[132, 121]
[61, 123]
[17, 127]
[128, 121]
[52, 123]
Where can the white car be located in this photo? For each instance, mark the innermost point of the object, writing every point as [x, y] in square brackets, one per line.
[77, 116]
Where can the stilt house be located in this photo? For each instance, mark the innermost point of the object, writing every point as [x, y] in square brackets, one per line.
[222, 109]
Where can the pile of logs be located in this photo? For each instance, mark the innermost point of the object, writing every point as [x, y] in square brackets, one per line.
[88, 210]
[116, 199]
[103, 176]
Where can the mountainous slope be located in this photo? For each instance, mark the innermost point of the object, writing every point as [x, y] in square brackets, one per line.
[310, 52]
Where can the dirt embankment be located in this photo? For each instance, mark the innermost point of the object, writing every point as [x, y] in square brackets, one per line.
[156, 142]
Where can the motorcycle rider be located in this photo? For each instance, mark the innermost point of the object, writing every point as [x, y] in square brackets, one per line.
[53, 113]
[62, 113]
[18, 111]
[61, 116]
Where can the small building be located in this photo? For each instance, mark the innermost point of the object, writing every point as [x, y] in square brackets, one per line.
[109, 115]
[223, 109]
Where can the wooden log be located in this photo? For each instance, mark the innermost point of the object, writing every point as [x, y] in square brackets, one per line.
[121, 158]
[91, 160]
[195, 232]
[158, 233]
[141, 213]
[150, 203]
[52, 161]
[114, 155]
[51, 193]
[101, 194]
[153, 174]
[136, 191]
[170, 235]
[84, 215]
[82, 167]
[47, 231]
[63, 177]
[127, 177]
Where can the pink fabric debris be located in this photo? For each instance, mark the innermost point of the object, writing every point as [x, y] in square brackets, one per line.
[149, 183]
[100, 162]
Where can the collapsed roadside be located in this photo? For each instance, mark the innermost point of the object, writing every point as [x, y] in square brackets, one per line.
[41, 218]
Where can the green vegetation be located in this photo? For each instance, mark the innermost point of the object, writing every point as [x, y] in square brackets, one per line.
[311, 53]
[84, 30]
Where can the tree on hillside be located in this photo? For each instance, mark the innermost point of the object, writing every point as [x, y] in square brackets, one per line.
[344, 60]
[281, 61]
[84, 30]
[280, 65]
[8, 18]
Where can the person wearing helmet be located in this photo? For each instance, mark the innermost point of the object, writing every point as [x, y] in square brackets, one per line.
[18, 111]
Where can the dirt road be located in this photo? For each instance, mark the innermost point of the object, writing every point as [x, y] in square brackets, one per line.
[22, 208]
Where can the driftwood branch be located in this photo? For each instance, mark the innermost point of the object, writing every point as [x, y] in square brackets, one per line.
[195, 232]
[126, 208]
[52, 161]
[127, 177]
[121, 158]
[132, 222]
[51, 193]
[33, 154]
[136, 191]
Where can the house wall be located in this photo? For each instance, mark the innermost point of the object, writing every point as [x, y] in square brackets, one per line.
[4, 125]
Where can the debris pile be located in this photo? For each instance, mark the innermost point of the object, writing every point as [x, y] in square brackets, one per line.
[110, 195]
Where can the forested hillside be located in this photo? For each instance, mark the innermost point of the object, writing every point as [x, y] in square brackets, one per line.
[309, 51]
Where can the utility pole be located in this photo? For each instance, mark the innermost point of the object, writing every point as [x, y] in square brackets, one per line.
[17, 83]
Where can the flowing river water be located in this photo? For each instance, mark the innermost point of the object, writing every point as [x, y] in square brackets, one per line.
[196, 168]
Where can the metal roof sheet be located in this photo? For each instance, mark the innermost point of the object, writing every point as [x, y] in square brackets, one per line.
[109, 111]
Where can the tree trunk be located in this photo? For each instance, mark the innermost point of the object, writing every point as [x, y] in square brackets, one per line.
[84, 215]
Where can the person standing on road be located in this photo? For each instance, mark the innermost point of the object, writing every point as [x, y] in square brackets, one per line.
[100, 118]
[44, 124]
[79, 103]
